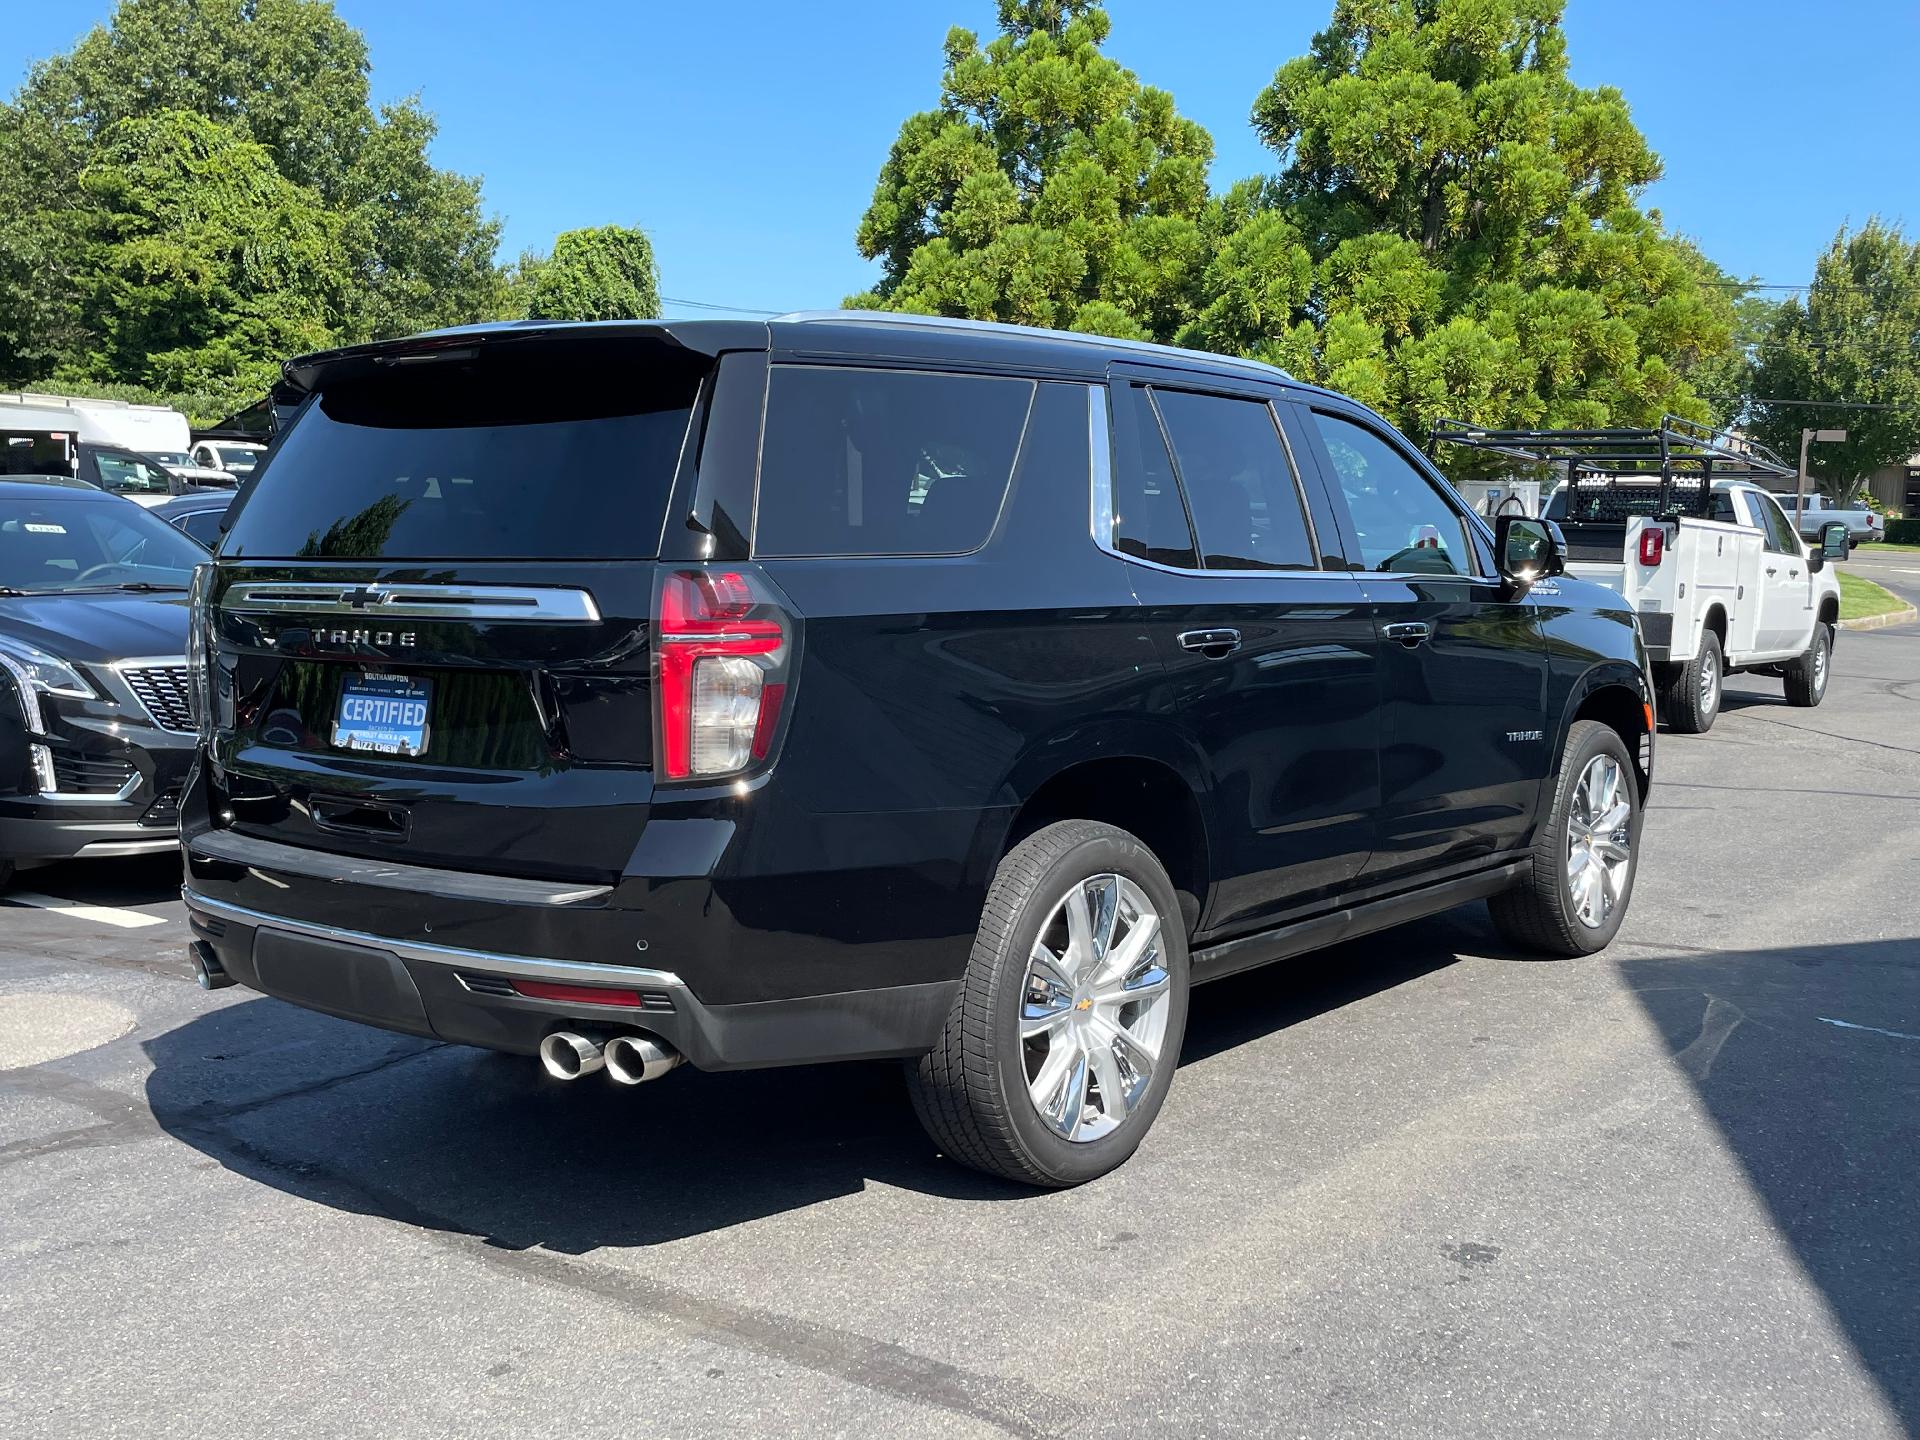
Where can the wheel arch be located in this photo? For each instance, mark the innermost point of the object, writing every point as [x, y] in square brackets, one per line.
[1714, 619]
[1142, 778]
[1615, 694]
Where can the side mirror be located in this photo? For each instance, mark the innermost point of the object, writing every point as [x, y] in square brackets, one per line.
[1528, 549]
[1833, 540]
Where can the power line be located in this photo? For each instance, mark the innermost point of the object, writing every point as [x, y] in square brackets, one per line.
[710, 305]
[1830, 404]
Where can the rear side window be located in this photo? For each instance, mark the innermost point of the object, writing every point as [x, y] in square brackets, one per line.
[1239, 485]
[559, 451]
[885, 462]
[203, 525]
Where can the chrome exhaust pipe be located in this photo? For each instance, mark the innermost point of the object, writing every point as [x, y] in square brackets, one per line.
[208, 972]
[567, 1056]
[633, 1059]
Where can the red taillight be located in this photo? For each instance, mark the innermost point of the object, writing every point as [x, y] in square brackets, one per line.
[575, 994]
[722, 648]
[1653, 545]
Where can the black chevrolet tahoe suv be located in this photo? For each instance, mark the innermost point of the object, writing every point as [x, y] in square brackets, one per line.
[863, 685]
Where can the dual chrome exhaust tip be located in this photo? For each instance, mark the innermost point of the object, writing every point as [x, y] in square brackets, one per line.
[631, 1059]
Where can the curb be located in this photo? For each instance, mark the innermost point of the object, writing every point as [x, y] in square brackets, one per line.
[1881, 622]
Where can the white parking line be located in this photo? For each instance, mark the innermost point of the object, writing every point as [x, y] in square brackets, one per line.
[100, 914]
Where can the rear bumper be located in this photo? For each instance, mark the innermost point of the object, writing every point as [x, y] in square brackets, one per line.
[468, 996]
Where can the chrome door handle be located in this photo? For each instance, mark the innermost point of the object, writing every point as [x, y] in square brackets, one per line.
[1408, 632]
[1214, 644]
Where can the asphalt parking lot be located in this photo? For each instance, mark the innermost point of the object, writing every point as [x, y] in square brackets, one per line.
[1409, 1186]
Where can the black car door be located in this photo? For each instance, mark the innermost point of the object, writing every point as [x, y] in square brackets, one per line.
[1268, 656]
[124, 473]
[1463, 662]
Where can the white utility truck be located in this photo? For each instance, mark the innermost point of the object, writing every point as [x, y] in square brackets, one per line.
[1670, 519]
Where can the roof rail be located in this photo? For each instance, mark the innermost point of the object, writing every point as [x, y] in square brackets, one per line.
[996, 327]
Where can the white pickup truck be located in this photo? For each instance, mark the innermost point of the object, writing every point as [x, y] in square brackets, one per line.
[1737, 591]
[1817, 511]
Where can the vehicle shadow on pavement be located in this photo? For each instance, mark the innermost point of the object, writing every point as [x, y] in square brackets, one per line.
[1808, 1060]
[127, 881]
[461, 1140]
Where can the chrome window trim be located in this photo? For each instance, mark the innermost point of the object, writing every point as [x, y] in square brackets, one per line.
[542, 604]
[526, 967]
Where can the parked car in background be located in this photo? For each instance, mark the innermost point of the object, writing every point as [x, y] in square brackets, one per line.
[95, 729]
[198, 515]
[1819, 511]
[236, 457]
[834, 729]
[140, 479]
[192, 471]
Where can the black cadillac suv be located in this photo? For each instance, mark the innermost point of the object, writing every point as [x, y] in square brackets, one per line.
[96, 730]
[855, 686]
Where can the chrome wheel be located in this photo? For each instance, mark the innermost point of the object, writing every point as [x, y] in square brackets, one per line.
[1093, 1008]
[1710, 682]
[1599, 841]
[1821, 654]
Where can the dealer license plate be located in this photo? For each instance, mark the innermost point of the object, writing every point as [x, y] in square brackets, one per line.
[384, 714]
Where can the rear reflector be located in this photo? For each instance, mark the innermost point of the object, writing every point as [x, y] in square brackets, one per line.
[576, 994]
[1653, 545]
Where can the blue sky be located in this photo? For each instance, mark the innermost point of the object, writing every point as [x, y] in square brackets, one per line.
[746, 137]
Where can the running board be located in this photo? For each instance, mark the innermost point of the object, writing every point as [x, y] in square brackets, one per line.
[1217, 961]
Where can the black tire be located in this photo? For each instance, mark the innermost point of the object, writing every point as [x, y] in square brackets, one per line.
[1691, 702]
[970, 1091]
[1807, 675]
[1539, 913]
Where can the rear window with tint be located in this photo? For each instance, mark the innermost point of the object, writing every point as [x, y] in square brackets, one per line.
[885, 462]
[562, 451]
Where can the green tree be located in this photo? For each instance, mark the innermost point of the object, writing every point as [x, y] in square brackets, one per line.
[1856, 337]
[206, 266]
[289, 74]
[420, 251]
[605, 273]
[287, 77]
[1469, 215]
[1050, 187]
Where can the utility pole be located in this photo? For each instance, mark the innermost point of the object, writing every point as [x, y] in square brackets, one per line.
[1807, 437]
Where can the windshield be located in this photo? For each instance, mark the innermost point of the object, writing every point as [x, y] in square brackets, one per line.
[170, 457]
[67, 544]
[238, 457]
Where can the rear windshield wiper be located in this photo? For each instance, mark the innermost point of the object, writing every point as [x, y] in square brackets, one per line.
[138, 587]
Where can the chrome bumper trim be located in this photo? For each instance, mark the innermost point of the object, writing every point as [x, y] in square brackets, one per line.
[107, 849]
[526, 967]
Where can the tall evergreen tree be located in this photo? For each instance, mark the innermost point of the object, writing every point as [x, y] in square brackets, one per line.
[1050, 187]
[1471, 217]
